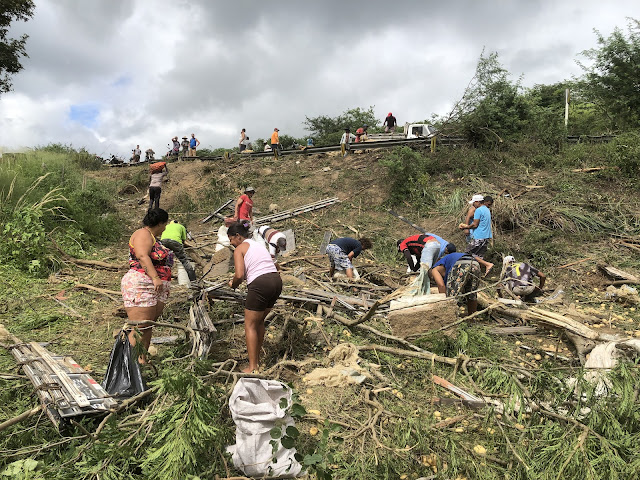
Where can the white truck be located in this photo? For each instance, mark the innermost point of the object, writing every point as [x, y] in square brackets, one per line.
[411, 130]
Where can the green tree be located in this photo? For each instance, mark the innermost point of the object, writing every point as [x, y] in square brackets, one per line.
[492, 108]
[12, 49]
[612, 78]
[327, 130]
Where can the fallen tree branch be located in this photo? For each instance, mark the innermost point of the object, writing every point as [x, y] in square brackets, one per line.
[18, 418]
[104, 291]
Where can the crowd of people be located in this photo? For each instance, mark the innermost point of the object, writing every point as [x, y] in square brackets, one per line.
[152, 248]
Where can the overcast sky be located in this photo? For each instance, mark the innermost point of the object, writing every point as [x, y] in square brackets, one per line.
[109, 74]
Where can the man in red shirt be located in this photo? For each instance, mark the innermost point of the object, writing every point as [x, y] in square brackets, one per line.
[244, 205]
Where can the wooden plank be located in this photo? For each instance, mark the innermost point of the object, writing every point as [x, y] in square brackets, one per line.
[79, 397]
[325, 242]
[216, 213]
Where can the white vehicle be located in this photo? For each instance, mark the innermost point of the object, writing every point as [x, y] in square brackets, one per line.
[411, 130]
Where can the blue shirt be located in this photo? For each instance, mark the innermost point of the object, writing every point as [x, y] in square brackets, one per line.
[348, 245]
[443, 243]
[448, 261]
[192, 142]
[483, 230]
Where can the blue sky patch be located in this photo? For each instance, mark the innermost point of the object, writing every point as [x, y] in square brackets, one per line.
[85, 113]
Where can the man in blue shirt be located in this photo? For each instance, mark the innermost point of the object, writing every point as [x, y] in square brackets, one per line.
[193, 143]
[481, 232]
[342, 250]
[458, 275]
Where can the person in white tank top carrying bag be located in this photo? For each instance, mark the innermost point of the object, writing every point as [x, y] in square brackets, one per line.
[264, 285]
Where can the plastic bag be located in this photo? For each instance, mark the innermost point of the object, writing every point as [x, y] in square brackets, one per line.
[123, 378]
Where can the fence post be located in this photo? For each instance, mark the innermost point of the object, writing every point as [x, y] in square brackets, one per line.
[433, 144]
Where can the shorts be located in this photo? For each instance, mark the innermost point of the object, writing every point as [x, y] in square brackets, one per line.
[138, 291]
[263, 292]
[463, 280]
[478, 247]
[430, 253]
[339, 260]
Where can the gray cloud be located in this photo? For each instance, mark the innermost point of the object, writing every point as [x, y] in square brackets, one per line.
[156, 69]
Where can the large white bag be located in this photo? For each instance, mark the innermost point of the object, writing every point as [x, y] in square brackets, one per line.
[255, 409]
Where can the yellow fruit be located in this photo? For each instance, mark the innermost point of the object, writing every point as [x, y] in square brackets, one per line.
[480, 450]
[309, 391]
[537, 356]
[518, 342]
[314, 412]
[436, 414]
[313, 431]
[459, 430]
[519, 426]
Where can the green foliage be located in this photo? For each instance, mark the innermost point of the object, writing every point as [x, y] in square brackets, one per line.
[611, 77]
[12, 49]
[624, 153]
[409, 177]
[328, 131]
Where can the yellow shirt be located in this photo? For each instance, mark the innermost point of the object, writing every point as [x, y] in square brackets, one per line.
[274, 138]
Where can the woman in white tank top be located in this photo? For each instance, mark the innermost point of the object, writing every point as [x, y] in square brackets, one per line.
[264, 285]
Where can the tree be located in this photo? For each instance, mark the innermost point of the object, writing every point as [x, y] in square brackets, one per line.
[491, 108]
[327, 131]
[612, 79]
[12, 49]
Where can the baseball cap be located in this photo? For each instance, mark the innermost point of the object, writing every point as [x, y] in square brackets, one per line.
[508, 259]
[476, 198]
[276, 129]
[249, 189]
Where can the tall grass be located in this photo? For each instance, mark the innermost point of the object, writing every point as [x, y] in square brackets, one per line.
[42, 196]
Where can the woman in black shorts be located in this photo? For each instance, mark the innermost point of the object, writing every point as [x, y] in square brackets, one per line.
[264, 285]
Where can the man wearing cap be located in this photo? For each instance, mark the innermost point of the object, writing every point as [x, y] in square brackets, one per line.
[193, 144]
[480, 227]
[275, 142]
[185, 146]
[244, 205]
[389, 123]
[276, 241]
[428, 247]
[517, 278]
[345, 141]
[176, 146]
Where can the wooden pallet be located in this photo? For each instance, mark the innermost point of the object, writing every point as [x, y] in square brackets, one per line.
[64, 388]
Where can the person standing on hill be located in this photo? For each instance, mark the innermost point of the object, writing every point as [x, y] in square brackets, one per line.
[193, 144]
[244, 205]
[345, 141]
[136, 154]
[156, 177]
[481, 230]
[264, 285]
[185, 146]
[342, 251]
[145, 287]
[241, 142]
[275, 143]
[173, 238]
[389, 123]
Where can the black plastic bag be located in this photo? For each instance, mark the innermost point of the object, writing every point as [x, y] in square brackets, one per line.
[123, 378]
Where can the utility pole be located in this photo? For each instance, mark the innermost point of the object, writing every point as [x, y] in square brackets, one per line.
[566, 108]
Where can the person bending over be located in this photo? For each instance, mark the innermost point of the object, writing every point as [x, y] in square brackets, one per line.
[342, 251]
[264, 285]
[458, 275]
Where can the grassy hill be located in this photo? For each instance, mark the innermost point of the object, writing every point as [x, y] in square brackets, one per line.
[545, 213]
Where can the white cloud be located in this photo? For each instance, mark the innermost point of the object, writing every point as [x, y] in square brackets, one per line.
[164, 68]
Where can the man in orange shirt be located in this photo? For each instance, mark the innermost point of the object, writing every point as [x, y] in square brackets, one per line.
[275, 143]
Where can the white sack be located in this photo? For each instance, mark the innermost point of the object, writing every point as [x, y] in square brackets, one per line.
[255, 408]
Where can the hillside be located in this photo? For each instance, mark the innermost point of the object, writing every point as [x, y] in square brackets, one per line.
[564, 222]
